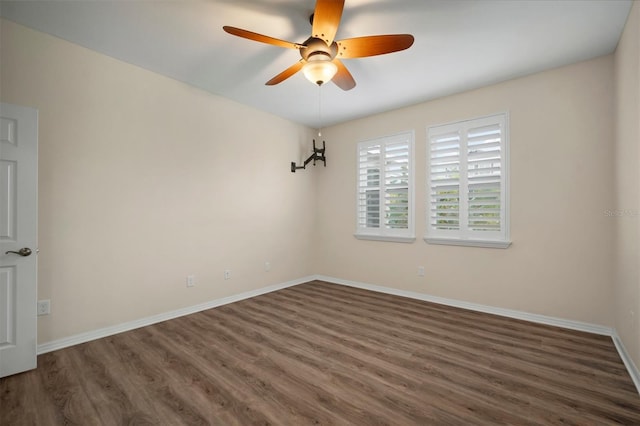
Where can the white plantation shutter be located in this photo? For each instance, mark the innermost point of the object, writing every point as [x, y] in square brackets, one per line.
[484, 167]
[385, 188]
[467, 183]
[369, 187]
[396, 185]
[444, 211]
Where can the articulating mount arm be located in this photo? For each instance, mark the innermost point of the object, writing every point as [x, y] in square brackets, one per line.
[318, 155]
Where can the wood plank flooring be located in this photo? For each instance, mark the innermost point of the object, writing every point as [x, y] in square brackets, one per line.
[320, 353]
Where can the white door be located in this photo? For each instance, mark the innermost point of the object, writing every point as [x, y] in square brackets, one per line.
[18, 238]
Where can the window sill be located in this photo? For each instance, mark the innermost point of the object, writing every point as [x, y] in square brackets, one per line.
[468, 243]
[389, 238]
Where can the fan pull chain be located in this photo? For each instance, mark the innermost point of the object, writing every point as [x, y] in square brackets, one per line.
[319, 110]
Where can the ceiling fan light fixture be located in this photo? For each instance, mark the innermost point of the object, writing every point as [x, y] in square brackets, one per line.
[321, 54]
[319, 69]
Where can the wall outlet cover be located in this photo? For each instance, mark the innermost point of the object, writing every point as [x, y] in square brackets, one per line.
[191, 280]
[44, 307]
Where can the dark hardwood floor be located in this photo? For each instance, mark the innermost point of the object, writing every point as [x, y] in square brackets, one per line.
[320, 353]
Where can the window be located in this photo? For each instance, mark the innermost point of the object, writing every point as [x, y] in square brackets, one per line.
[468, 183]
[385, 189]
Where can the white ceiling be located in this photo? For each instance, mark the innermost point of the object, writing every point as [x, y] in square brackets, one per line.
[459, 45]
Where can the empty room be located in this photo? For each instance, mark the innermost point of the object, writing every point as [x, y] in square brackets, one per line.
[293, 212]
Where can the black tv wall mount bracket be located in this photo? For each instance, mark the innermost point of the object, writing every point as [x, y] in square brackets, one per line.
[318, 155]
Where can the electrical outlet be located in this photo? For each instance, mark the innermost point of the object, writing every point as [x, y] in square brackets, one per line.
[267, 266]
[44, 307]
[227, 274]
[421, 271]
[191, 280]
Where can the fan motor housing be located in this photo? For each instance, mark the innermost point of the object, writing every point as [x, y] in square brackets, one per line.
[315, 46]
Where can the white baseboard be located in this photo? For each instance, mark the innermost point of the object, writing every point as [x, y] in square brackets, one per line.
[131, 325]
[628, 362]
[510, 313]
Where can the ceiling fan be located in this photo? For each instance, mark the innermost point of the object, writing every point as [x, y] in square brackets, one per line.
[321, 54]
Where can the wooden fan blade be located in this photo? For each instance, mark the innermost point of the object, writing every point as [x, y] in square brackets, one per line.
[286, 73]
[261, 38]
[326, 19]
[361, 47]
[343, 78]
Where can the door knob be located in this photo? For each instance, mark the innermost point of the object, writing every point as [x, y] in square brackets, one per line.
[25, 251]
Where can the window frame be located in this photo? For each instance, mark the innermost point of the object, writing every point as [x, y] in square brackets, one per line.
[464, 236]
[382, 233]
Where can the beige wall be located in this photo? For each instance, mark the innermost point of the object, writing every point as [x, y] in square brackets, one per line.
[560, 262]
[627, 161]
[143, 180]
